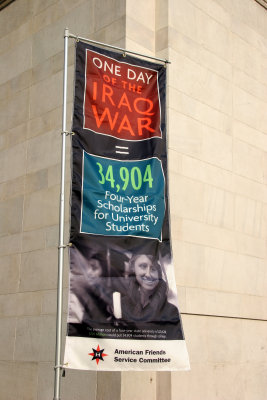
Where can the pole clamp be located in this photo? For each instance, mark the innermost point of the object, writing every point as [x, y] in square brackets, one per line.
[67, 133]
[63, 246]
[58, 366]
[61, 367]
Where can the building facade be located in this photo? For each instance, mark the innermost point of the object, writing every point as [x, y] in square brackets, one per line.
[217, 144]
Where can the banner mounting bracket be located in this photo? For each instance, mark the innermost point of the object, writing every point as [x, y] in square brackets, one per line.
[58, 366]
[124, 51]
[64, 246]
[67, 133]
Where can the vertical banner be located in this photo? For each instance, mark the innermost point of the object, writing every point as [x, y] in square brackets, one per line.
[123, 312]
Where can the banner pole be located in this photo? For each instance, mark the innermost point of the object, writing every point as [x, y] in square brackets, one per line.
[58, 366]
[125, 51]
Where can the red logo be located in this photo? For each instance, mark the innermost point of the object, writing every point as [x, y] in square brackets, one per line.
[97, 354]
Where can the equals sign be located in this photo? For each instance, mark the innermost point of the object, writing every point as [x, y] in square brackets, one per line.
[122, 150]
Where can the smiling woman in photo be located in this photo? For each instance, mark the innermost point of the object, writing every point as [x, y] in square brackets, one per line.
[145, 300]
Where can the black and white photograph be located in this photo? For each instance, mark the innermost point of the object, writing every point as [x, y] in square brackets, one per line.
[114, 287]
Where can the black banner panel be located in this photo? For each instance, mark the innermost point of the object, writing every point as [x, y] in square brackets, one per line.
[123, 312]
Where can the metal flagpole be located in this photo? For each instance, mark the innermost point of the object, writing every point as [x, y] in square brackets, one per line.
[58, 366]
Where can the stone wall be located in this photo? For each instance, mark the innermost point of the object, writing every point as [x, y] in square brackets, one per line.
[217, 140]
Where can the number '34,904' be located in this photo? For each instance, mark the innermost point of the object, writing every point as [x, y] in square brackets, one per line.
[128, 176]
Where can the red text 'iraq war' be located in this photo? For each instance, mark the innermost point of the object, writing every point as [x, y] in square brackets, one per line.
[121, 100]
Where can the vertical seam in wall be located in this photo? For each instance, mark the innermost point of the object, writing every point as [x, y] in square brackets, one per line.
[232, 108]
[163, 382]
[25, 174]
[98, 394]
[15, 337]
[93, 16]
[95, 395]
[155, 27]
[120, 387]
[125, 26]
[29, 116]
